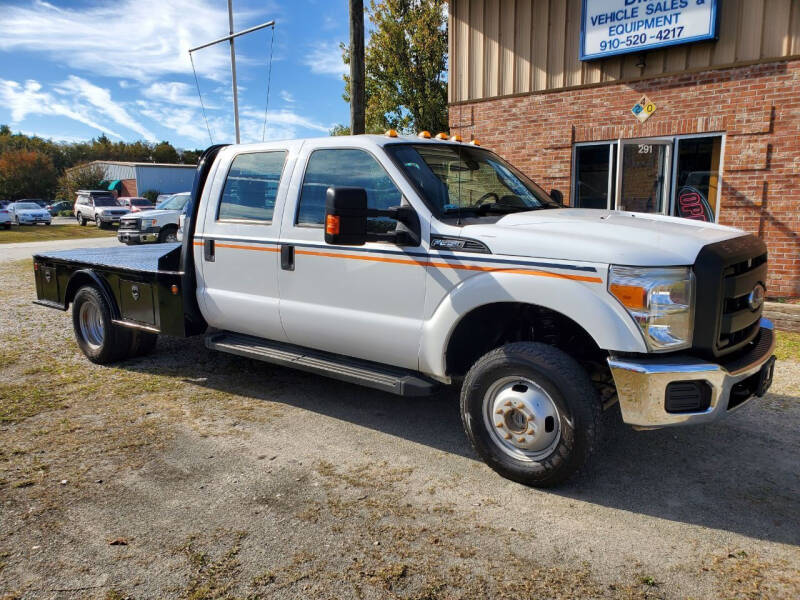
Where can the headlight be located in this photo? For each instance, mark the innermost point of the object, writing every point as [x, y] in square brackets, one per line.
[660, 300]
[148, 222]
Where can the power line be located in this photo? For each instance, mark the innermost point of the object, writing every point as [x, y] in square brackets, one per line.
[269, 83]
[197, 83]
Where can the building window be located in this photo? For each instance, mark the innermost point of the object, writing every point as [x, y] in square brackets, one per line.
[673, 176]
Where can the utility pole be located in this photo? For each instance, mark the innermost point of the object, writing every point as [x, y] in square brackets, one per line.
[356, 66]
[229, 38]
[233, 72]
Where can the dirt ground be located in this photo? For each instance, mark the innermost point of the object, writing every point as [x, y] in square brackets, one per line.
[190, 474]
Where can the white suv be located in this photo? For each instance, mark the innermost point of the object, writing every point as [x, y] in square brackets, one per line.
[98, 206]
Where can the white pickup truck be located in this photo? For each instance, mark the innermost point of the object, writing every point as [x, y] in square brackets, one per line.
[405, 264]
[157, 225]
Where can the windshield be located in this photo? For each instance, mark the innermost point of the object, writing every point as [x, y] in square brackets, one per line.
[177, 202]
[456, 180]
[27, 206]
[105, 201]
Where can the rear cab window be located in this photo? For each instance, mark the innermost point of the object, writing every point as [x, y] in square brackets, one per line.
[251, 187]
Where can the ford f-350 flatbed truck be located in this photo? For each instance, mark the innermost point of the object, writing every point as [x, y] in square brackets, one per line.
[405, 264]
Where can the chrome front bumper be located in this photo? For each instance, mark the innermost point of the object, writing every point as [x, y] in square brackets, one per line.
[642, 383]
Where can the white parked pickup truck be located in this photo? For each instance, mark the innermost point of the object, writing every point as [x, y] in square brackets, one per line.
[405, 264]
[159, 225]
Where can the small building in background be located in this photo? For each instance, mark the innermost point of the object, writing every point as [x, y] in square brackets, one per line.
[688, 108]
[136, 178]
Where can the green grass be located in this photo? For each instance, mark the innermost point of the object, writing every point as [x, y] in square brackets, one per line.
[788, 346]
[42, 233]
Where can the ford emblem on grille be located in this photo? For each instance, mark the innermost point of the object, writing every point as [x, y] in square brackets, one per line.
[756, 298]
[135, 292]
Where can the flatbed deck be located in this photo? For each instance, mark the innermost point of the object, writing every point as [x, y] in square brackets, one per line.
[144, 285]
[153, 258]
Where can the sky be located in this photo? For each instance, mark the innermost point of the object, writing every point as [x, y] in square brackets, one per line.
[73, 70]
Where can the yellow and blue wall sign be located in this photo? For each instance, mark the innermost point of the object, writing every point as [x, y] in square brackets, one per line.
[612, 27]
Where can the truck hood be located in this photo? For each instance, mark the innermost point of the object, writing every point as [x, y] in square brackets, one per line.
[602, 236]
[155, 214]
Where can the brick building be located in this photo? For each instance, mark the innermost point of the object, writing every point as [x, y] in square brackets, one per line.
[722, 142]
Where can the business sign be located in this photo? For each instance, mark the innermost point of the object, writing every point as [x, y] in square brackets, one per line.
[611, 27]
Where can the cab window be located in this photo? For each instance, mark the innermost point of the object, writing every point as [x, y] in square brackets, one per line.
[251, 187]
[347, 167]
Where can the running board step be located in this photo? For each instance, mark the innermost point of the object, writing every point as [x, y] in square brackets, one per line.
[361, 372]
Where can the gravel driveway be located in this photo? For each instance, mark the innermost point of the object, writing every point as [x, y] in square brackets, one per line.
[200, 475]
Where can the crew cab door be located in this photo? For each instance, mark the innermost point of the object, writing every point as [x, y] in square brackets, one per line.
[236, 243]
[361, 301]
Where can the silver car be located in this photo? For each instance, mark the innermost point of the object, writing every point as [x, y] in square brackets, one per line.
[28, 213]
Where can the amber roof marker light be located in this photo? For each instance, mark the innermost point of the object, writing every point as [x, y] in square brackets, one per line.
[455, 138]
[391, 133]
[442, 136]
[474, 143]
[426, 135]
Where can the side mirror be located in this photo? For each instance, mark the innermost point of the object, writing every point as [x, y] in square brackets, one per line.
[346, 216]
[557, 197]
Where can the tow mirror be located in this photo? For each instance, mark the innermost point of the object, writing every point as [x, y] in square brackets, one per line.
[346, 216]
[557, 197]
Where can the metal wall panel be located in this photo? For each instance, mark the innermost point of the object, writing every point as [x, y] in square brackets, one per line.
[502, 47]
[165, 180]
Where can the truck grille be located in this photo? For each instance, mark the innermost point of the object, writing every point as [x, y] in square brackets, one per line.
[132, 224]
[726, 274]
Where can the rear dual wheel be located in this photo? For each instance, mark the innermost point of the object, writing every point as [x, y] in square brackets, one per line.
[531, 412]
[102, 341]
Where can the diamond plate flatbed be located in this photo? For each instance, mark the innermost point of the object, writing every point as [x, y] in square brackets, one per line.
[153, 258]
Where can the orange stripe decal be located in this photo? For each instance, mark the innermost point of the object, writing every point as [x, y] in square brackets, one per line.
[420, 263]
[442, 265]
[241, 247]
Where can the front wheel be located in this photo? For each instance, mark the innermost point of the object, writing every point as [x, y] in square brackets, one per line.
[168, 234]
[99, 339]
[531, 412]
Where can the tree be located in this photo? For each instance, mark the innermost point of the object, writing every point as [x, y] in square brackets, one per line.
[26, 174]
[339, 130]
[406, 61]
[165, 153]
[88, 177]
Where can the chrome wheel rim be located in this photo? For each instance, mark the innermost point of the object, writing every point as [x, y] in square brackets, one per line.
[522, 418]
[91, 324]
[171, 237]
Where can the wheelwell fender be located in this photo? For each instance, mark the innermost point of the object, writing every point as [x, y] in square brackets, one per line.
[84, 277]
[587, 304]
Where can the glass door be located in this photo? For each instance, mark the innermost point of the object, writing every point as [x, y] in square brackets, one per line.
[643, 175]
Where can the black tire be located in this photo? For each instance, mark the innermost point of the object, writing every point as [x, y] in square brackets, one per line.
[168, 234]
[6, 225]
[16, 220]
[567, 388]
[112, 343]
[98, 223]
[142, 343]
[81, 219]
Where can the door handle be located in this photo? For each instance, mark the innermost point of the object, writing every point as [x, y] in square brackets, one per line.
[287, 257]
[208, 250]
